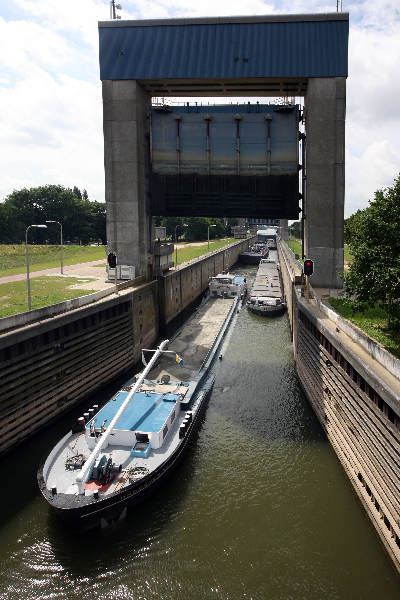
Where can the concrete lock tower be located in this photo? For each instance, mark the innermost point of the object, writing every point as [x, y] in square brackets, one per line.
[279, 55]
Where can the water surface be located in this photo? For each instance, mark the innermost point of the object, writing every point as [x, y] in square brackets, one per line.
[260, 508]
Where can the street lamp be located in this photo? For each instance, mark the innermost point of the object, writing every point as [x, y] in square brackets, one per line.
[61, 243]
[176, 243]
[208, 235]
[27, 260]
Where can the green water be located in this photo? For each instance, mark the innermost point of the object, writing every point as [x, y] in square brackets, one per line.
[260, 508]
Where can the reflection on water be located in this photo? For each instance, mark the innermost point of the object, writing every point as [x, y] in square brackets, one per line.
[260, 508]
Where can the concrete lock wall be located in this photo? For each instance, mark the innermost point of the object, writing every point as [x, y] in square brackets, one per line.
[48, 366]
[353, 386]
[291, 272]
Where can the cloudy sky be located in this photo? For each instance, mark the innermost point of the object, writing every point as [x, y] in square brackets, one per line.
[50, 93]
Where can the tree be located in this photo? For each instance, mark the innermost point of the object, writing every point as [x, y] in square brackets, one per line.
[352, 228]
[295, 229]
[82, 220]
[197, 227]
[374, 240]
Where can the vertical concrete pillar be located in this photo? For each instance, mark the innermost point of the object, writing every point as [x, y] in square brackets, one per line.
[325, 111]
[126, 127]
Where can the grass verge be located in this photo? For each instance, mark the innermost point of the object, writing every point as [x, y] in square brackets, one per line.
[295, 245]
[192, 252]
[348, 258]
[44, 292]
[12, 257]
[47, 290]
[373, 322]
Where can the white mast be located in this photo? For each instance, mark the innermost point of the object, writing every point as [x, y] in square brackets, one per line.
[83, 473]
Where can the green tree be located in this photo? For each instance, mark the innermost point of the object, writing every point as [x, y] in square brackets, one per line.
[295, 229]
[352, 228]
[197, 228]
[82, 220]
[374, 240]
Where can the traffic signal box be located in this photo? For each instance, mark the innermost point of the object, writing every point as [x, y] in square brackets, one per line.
[112, 260]
[308, 268]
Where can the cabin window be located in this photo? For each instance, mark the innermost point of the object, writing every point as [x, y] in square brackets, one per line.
[165, 430]
[173, 416]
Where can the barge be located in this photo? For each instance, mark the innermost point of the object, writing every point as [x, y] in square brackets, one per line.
[254, 255]
[226, 285]
[266, 296]
[116, 456]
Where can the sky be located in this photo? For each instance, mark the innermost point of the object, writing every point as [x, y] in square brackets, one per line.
[50, 91]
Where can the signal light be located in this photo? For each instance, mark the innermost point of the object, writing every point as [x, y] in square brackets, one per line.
[308, 268]
[112, 260]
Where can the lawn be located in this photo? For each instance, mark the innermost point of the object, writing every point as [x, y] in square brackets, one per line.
[51, 289]
[295, 245]
[348, 257]
[191, 252]
[373, 322]
[44, 292]
[12, 257]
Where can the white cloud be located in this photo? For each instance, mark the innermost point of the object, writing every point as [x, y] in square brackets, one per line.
[50, 93]
[26, 45]
[51, 132]
[72, 16]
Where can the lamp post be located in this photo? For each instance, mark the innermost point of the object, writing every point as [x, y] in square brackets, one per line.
[208, 235]
[61, 243]
[176, 243]
[27, 260]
